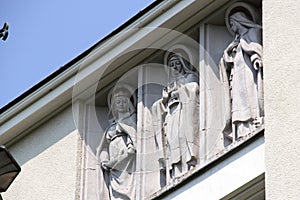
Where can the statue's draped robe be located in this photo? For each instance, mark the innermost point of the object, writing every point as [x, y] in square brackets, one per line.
[243, 84]
[179, 119]
[120, 179]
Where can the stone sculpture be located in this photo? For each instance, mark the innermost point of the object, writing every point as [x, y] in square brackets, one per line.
[117, 151]
[241, 71]
[175, 118]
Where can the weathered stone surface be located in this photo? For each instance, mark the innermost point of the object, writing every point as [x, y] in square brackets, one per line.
[176, 117]
[241, 73]
[193, 105]
[117, 150]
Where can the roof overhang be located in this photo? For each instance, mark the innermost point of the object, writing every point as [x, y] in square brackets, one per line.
[57, 94]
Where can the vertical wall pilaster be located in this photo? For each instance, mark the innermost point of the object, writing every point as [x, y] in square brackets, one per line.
[281, 33]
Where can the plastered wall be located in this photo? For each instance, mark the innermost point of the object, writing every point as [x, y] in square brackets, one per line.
[281, 19]
[48, 158]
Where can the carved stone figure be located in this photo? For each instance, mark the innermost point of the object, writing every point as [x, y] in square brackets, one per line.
[117, 151]
[241, 71]
[175, 118]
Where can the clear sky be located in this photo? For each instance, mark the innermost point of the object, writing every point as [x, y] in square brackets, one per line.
[46, 34]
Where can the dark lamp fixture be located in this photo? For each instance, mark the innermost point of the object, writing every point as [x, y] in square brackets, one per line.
[9, 169]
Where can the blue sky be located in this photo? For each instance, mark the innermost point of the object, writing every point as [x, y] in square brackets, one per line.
[45, 35]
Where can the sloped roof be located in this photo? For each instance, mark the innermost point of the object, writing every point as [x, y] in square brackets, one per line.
[75, 80]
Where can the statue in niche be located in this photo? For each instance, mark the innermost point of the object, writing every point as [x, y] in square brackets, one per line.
[241, 71]
[175, 117]
[117, 151]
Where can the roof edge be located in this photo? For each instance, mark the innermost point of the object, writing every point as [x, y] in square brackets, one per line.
[78, 58]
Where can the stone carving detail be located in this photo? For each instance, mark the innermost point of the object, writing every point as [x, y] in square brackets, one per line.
[175, 117]
[241, 71]
[117, 151]
[185, 134]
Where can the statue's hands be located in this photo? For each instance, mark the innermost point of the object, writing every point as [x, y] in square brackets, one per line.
[105, 166]
[175, 95]
[131, 149]
[165, 95]
[231, 48]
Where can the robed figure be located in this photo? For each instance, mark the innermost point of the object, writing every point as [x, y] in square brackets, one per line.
[117, 151]
[175, 118]
[241, 72]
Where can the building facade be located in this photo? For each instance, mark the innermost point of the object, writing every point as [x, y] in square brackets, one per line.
[187, 99]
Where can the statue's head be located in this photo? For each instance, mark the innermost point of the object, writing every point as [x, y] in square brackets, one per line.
[180, 60]
[121, 100]
[238, 21]
[240, 16]
[175, 64]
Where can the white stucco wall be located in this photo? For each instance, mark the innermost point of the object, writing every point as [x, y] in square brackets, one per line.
[281, 19]
[48, 158]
